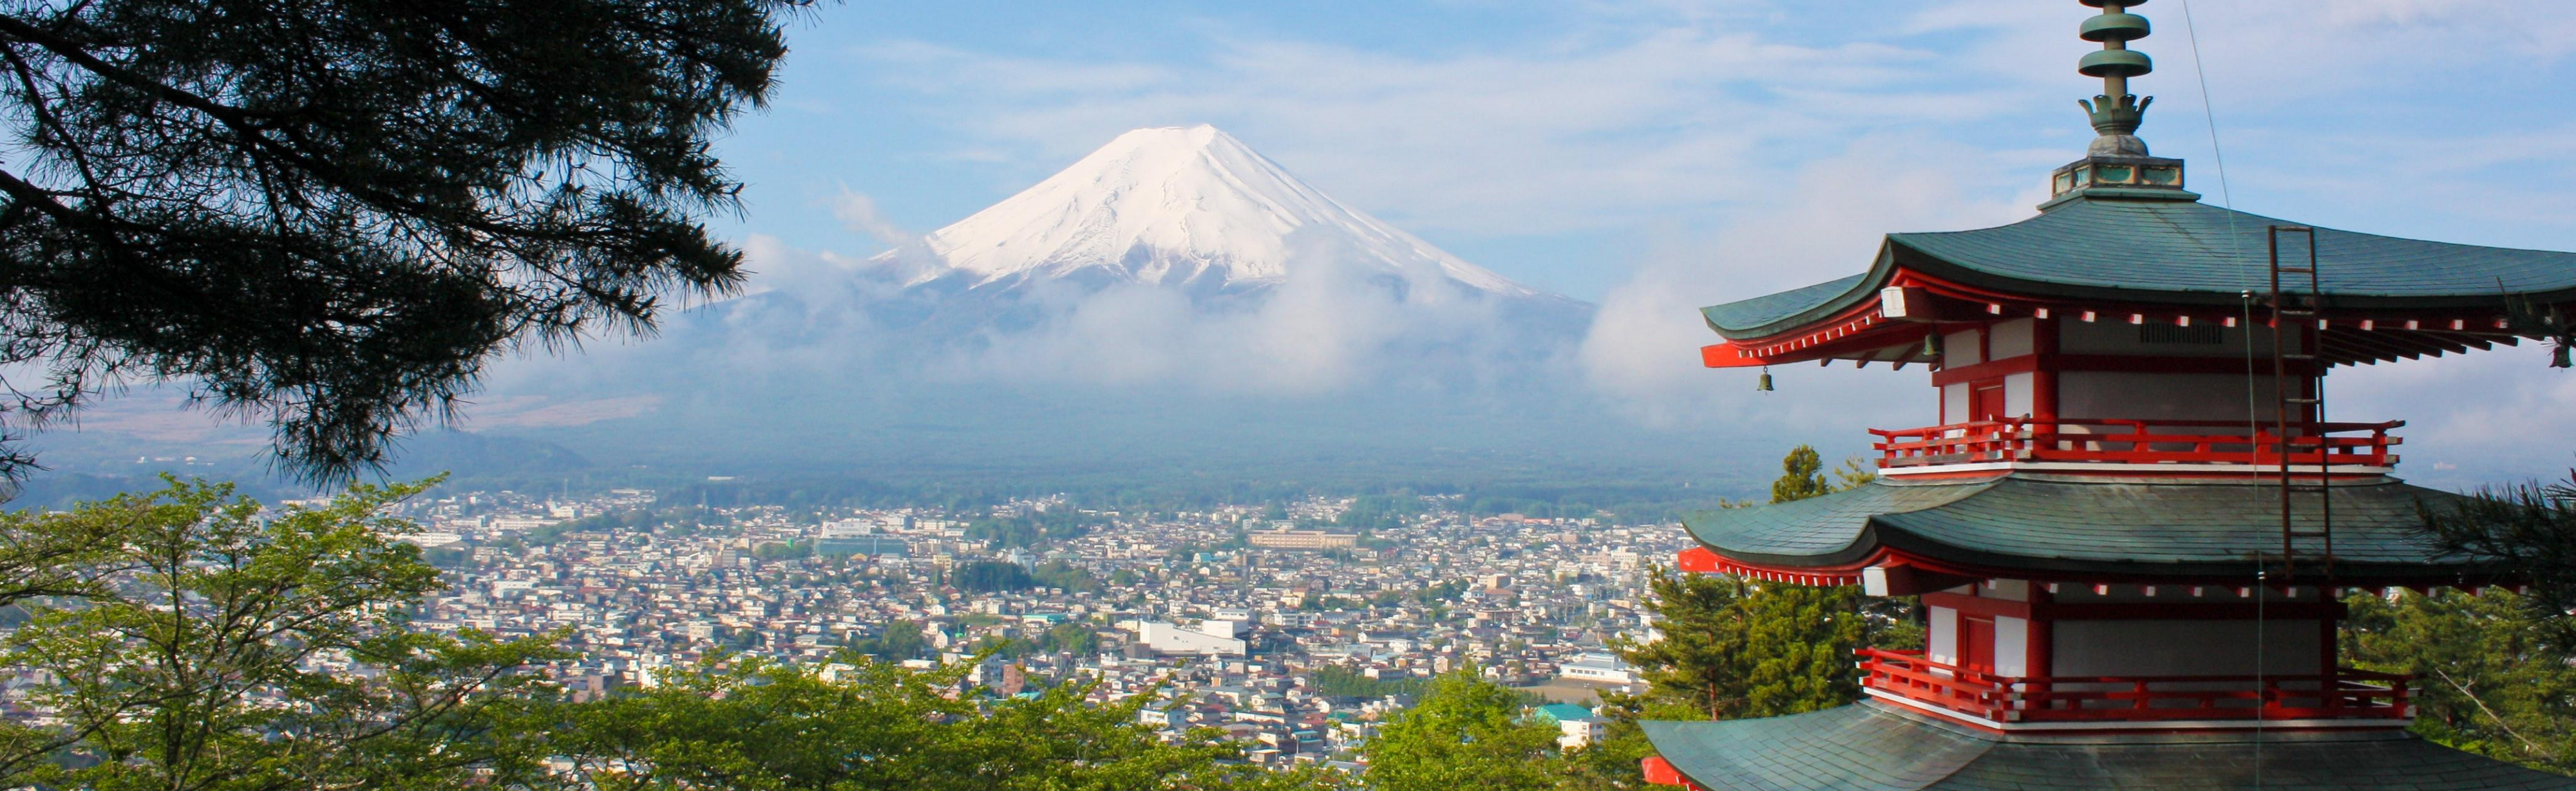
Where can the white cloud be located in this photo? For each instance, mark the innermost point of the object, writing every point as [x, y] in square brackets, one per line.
[1331, 327]
[1827, 223]
[858, 211]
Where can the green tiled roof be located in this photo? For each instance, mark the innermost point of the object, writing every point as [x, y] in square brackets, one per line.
[1868, 746]
[1565, 712]
[2172, 251]
[2087, 525]
[1770, 308]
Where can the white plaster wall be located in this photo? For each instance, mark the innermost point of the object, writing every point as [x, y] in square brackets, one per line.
[1943, 645]
[1954, 403]
[2012, 339]
[2148, 396]
[1960, 348]
[2017, 394]
[2181, 648]
[2012, 646]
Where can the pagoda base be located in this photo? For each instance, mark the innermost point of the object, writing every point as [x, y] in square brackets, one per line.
[1872, 745]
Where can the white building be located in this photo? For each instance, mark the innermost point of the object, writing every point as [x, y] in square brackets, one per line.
[1599, 668]
[1211, 638]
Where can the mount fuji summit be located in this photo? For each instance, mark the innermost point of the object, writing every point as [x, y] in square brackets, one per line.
[1190, 208]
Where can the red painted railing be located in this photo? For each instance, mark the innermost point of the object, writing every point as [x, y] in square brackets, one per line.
[2347, 694]
[2113, 440]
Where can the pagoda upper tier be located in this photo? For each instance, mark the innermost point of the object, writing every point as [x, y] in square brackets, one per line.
[2148, 256]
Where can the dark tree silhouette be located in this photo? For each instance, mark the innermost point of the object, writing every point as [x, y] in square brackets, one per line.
[327, 214]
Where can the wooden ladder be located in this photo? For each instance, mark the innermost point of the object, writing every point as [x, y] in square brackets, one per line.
[2299, 340]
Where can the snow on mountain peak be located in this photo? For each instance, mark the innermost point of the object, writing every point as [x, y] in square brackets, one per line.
[1180, 206]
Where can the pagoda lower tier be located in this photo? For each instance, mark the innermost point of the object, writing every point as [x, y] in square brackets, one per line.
[2103, 604]
[1874, 745]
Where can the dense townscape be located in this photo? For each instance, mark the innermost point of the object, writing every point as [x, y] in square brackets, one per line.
[1295, 628]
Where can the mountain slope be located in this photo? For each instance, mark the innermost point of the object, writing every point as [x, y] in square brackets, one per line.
[1185, 207]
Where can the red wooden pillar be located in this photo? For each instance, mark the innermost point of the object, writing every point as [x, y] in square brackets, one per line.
[2041, 640]
[2043, 377]
[2328, 667]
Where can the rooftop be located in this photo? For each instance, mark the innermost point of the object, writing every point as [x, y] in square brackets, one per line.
[2084, 527]
[1870, 746]
[2179, 252]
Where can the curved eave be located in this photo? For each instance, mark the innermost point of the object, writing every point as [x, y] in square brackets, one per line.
[1903, 254]
[2172, 532]
[1789, 311]
[1876, 747]
[2164, 253]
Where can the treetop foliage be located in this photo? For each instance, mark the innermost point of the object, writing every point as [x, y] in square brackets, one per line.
[1337, 681]
[2528, 531]
[326, 215]
[205, 645]
[746, 724]
[1464, 732]
[2488, 678]
[1732, 648]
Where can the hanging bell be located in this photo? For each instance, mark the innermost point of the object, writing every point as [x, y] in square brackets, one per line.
[1931, 344]
[1763, 385]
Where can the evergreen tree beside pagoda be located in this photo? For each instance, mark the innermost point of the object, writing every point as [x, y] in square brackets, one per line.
[1731, 648]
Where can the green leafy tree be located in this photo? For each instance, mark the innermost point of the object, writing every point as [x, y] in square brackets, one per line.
[1338, 681]
[1074, 638]
[1464, 732]
[1697, 670]
[1799, 642]
[213, 647]
[788, 550]
[902, 640]
[329, 213]
[2529, 531]
[2489, 678]
[1060, 574]
[1732, 648]
[1802, 475]
[753, 726]
[987, 576]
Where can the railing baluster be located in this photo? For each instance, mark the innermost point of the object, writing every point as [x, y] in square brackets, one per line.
[1914, 676]
[2134, 441]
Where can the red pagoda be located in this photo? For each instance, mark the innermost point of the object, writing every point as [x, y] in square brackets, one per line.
[2134, 521]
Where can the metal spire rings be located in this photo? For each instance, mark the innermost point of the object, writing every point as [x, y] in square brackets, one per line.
[2116, 113]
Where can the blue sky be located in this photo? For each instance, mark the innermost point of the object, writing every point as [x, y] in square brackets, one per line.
[1572, 145]
[1660, 155]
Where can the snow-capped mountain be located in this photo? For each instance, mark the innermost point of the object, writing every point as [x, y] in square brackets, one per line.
[1190, 207]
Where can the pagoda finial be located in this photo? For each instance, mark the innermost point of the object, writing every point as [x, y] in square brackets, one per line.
[2116, 112]
[2116, 166]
